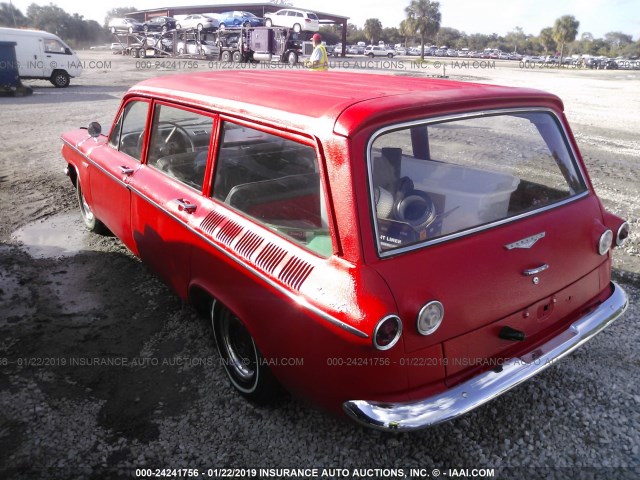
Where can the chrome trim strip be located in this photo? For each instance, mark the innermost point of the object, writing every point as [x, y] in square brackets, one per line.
[464, 233]
[299, 300]
[481, 389]
[535, 271]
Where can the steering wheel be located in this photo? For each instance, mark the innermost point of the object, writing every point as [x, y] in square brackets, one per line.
[173, 140]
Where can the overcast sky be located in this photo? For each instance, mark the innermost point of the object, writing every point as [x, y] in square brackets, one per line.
[471, 16]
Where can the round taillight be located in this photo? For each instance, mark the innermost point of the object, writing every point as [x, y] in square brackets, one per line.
[623, 234]
[430, 317]
[387, 332]
[604, 244]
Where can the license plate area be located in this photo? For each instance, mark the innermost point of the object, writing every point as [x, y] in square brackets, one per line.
[483, 349]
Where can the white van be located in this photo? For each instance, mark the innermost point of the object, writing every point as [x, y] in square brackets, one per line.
[43, 55]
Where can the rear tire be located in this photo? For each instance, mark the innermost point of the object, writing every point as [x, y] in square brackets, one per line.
[297, 28]
[237, 57]
[268, 23]
[90, 221]
[225, 57]
[243, 362]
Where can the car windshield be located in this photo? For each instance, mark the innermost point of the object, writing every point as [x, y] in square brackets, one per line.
[435, 179]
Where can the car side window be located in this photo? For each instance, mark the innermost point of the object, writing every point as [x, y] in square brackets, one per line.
[128, 133]
[179, 144]
[275, 181]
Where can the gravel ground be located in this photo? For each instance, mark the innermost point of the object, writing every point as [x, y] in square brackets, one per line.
[68, 296]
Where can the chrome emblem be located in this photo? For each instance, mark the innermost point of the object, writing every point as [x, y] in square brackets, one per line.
[525, 242]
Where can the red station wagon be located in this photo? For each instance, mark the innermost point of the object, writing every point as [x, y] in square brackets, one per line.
[399, 249]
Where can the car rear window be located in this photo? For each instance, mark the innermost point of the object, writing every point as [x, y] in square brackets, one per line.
[435, 179]
[275, 181]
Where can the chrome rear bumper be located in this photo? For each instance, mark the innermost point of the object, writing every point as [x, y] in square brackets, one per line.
[479, 390]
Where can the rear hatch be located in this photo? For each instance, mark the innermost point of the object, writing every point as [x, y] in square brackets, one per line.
[491, 216]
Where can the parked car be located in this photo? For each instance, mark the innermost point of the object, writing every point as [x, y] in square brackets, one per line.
[532, 59]
[158, 41]
[353, 50]
[298, 20]
[160, 24]
[198, 22]
[402, 250]
[401, 51]
[191, 47]
[128, 25]
[239, 19]
[378, 51]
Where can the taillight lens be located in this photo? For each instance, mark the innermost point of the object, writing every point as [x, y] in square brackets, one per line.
[387, 332]
[430, 317]
[604, 244]
[623, 234]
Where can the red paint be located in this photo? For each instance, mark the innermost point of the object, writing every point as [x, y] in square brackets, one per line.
[478, 281]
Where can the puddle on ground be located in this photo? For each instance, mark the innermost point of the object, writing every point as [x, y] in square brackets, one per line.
[62, 235]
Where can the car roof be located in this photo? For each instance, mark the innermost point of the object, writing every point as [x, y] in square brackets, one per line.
[342, 102]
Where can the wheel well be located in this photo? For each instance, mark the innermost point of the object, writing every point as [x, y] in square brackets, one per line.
[201, 300]
[73, 175]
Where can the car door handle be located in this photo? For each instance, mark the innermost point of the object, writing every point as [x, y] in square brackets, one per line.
[535, 271]
[185, 206]
[126, 170]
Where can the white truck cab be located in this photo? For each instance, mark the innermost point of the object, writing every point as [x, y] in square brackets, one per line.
[43, 55]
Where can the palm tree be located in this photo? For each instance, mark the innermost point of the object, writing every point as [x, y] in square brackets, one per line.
[372, 29]
[405, 30]
[565, 30]
[423, 17]
[546, 40]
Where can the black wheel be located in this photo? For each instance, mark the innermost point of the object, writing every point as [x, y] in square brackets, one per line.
[200, 27]
[297, 28]
[246, 25]
[222, 27]
[130, 30]
[146, 28]
[237, 57]
[60, 79]
[226, 56]
[370, 55]
[268, 22]
[292, 58]
[89, 219]
[178, 26]
[390, 55]
[164, 29]
[134, 52]
[181, 51]
[142, 53]
[245, 366]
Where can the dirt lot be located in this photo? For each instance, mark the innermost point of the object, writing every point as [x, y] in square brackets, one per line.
[69, 296]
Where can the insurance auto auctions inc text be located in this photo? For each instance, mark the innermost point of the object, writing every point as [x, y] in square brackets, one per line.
[346, 473]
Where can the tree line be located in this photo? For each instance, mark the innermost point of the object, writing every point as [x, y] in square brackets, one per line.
[422, 26]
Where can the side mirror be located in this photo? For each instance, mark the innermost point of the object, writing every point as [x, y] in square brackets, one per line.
[94, 129]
